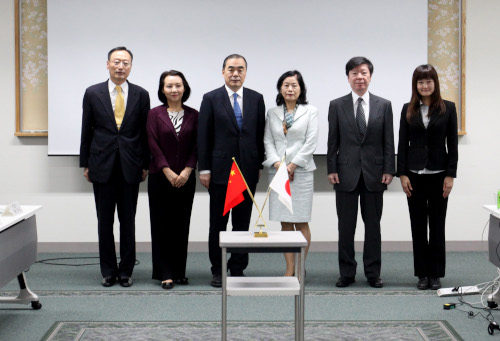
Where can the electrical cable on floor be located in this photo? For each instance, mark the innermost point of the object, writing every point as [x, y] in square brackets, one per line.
[48, 261]
[485, 289]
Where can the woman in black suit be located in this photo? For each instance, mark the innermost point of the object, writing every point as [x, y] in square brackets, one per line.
[172, 137]
[427, 164]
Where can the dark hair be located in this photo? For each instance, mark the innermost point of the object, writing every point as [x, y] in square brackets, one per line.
[425, 71]
[231, 56]
[303, 90]
[187, 88]
[121, 48]
[354, 62]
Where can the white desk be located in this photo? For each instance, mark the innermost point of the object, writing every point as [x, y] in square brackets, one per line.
[18, 251]
[493, 210]
[278, 241]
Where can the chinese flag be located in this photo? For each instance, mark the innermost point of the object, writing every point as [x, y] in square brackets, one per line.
[235, 188]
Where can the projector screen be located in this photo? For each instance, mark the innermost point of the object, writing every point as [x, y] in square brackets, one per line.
[315, 37]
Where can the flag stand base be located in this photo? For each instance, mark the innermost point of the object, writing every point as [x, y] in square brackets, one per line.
[261, 233]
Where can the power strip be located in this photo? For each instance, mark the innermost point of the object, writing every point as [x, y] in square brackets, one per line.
[458, 291]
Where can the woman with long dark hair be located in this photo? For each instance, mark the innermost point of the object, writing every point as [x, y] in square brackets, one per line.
[427, 165]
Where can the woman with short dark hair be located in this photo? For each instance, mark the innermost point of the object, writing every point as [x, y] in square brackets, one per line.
[291, 133]
[172, 136]
[427, 165]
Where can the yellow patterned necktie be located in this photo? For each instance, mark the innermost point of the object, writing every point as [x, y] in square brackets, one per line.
[119, 106]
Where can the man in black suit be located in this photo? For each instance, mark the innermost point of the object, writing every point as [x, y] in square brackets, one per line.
[114, 154]
[231, 124]
[360, 165]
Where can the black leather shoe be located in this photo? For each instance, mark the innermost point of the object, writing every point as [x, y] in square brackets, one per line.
[423, 283]
[181, 281]
[216, 281]
[237, 274]
[434, 283]
[343, 282]
[375, 282]
[125, 281]
[167, 285]
[108, 281]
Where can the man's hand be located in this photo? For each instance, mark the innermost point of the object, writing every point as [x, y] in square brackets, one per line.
[447, 186]
[205, 179]
[86, 174]
[333, 178]
[387, 178]
[144, 174]
[405, 183]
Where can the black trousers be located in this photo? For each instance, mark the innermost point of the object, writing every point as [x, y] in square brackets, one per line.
[428, 208]
[240, 219]
[116, 194]
[371, 211]
[170, 215]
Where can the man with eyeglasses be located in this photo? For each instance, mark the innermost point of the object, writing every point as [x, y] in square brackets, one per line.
[230, 124]
[114, 154]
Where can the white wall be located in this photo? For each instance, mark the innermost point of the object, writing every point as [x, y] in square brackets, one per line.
[29, 176]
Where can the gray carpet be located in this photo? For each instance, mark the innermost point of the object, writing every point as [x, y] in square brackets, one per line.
[75, 294]
[244, 331]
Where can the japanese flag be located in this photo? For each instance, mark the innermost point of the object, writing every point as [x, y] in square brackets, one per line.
[281, 185]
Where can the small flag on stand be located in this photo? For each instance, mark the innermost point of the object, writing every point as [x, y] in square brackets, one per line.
[281, 185]
[235, 188]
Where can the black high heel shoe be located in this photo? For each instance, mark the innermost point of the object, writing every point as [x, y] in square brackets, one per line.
[167, 285]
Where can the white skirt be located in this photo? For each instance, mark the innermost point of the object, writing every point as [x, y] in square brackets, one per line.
[302, 189]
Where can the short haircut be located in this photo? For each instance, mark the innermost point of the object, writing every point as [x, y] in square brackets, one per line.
[121, 48]
[425, 71]
[234, 56]
[303, 90]
[354, 62]
[187, 88]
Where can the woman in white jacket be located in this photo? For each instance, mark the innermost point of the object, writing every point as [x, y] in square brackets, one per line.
[292, 132]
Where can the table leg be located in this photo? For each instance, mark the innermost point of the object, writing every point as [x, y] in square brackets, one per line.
[25, 296]
[224, 294]
[297, 301]
[302, 292]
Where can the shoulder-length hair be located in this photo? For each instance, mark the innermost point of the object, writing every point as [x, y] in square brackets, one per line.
[187, 88]
[303, 90]
[426, 71]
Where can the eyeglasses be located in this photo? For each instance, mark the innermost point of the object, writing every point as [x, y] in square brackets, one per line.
[117, 63]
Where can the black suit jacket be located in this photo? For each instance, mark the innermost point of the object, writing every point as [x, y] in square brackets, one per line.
[101, 140]
[349, 154]
[167, 148]
[219, 139]
[434, 148]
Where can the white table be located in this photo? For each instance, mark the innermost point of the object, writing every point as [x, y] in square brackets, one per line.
[493, 210]
[18, 251]
[277, 241]
[493, 299]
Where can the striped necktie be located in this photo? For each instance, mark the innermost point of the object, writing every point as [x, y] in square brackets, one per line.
[237, 111]
[360, 117]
